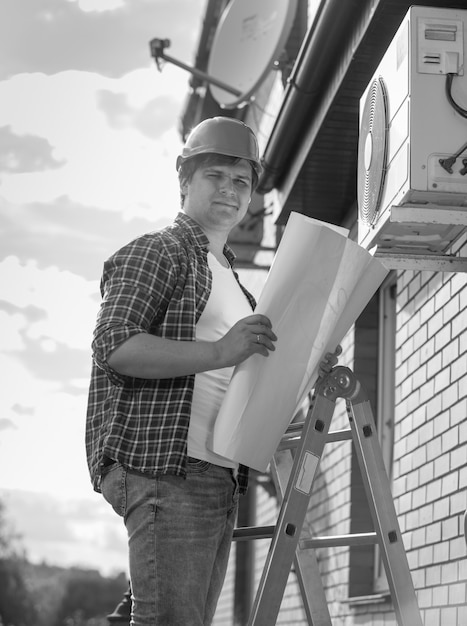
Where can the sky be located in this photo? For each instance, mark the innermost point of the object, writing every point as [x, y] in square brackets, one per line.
[88, 142]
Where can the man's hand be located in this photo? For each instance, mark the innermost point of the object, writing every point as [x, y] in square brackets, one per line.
[330, 361]
[250, 335]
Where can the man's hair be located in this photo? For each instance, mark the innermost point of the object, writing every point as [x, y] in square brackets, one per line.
[189, 167]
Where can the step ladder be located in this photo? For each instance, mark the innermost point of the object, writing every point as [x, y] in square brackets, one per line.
[293, 474]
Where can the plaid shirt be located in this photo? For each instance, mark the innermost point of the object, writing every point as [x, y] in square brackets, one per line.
[159, 284]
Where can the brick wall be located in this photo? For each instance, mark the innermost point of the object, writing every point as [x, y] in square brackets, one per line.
[430, 454]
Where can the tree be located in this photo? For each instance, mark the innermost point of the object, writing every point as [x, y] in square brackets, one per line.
[16, 605]
[88, 596]
[47, 595]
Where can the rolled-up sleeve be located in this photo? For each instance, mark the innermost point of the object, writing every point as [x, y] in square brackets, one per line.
[137, 283]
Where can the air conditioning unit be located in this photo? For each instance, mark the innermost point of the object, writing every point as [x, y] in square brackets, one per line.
[412, 156]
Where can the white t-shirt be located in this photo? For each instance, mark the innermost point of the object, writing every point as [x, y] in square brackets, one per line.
[226, 305]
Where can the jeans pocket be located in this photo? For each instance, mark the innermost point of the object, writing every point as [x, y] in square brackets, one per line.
[113, 488]
[197, 466]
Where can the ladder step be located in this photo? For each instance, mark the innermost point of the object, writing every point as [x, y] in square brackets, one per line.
[247, 533]
[292, 436]
[337, 541]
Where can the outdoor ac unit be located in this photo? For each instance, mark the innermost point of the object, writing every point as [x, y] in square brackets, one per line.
[412, 157]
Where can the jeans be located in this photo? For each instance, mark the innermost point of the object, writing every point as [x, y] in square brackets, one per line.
[179, 537]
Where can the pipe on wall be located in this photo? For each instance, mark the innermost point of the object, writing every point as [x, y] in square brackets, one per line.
[319, 60]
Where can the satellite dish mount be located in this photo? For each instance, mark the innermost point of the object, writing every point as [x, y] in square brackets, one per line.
[158, 47]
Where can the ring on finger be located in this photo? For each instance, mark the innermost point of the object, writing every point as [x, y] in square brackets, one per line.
[258, 339]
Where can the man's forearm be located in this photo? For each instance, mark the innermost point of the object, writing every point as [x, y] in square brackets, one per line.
[148, 356]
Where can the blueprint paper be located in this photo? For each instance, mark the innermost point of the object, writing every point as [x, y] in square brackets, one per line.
[319, 283]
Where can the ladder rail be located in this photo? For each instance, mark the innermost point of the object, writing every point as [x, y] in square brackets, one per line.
[377, 487]
[305, 562]
[290, 522]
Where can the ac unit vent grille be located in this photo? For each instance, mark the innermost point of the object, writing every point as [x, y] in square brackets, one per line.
[372, 152]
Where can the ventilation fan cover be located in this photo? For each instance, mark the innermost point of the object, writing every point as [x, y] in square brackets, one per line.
[372, 152]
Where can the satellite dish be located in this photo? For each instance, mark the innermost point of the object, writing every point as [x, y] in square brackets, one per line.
[250, 37]
[372, 153]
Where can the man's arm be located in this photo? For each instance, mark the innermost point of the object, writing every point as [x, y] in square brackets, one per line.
[146, 356]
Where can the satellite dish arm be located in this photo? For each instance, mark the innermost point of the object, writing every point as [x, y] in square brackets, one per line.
[158, 46]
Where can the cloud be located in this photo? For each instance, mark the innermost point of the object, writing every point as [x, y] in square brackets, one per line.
[126, 169]
[12, 326]
[20, 410]
[25, 153]
[53, 35]
[5, 424]
[69, 235]
[48, 432]
[152, 120]
[49, 361]
[61, 532]
[99, 5]
[45, 332]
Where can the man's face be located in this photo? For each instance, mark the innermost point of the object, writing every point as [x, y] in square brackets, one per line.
[217, 197]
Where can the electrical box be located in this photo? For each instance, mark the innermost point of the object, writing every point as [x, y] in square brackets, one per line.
[412, 156]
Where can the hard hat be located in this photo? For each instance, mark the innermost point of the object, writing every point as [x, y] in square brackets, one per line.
[222, 135]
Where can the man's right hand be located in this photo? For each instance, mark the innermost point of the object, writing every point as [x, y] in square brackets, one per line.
[250, 335]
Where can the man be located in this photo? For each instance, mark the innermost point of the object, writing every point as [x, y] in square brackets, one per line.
[173, 323]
